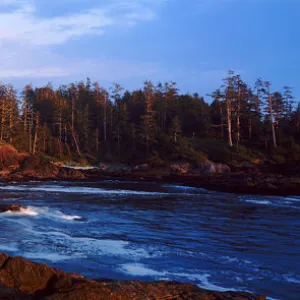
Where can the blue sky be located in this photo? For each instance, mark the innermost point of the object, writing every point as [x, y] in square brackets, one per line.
[191, 42]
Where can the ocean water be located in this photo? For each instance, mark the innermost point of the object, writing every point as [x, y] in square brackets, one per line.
[150, 231]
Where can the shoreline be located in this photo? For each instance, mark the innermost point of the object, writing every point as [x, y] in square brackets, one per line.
[23, 279]
[233, 182]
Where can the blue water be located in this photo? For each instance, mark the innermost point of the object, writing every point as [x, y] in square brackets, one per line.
[150, 231]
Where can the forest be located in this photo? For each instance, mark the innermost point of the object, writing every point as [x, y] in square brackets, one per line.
[157, 124]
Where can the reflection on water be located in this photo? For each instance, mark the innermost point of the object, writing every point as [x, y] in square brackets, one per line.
[148, 231]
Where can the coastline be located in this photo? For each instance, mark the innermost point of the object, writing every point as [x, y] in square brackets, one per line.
[25, 280]
[232, 182]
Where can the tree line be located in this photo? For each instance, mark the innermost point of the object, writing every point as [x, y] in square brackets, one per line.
[84, 120]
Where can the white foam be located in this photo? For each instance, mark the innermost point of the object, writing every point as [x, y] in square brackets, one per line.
[76, 190]
[140, 270]
[10, 248]
[185, 188]
[70, 218]
[23, 212]
[53, 256]
[260, 202]
[292, 199]
[137, 269]
[292, 279]
[32, 211]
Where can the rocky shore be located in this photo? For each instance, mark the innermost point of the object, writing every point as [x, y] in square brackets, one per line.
[21, 279]
[266, 179]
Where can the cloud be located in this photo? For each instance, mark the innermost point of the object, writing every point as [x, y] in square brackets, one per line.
[24, 26]
[28, 34]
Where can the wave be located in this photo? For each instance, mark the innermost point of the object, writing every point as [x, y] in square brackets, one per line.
[137, 269]
[32, 211]
[23, 212]
[76, 190]
[186, 188]
[260, 202]
[292, 279]
[278, 202]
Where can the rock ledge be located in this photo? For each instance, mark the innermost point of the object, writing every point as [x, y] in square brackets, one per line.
[21, 279]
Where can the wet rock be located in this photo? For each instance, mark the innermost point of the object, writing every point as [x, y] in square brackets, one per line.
[10, 207]
[210, 168]
[142, 167]
[70, 174]
[113, 168]
[37, 167]
[21, 279]
[180, 168]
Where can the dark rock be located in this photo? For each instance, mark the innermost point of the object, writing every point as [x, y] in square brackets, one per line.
[21, 279]
[142, 167]
[210, 168]
[37, 167]
[70, 174]
[10, 207]
[180, 168]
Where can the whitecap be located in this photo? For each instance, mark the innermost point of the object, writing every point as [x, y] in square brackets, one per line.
[137, 269]
[50, 256]
[292, 279]
[260, 202]
[77, 190]
[140, 270]
[23, 212]
[70, 218]
[32, 211]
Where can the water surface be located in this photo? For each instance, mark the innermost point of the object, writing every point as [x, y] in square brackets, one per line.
[150, 231]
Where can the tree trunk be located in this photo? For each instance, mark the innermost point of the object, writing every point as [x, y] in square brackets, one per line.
[239, 114]
[228, 103]
[37, 125]
[105, 118]
[74, 136]
[270, 100]
[222, 121]
[250, 127]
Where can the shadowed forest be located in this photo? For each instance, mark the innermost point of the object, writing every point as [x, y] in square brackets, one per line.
[155, 124]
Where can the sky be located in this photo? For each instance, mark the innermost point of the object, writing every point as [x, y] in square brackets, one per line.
[191, 42]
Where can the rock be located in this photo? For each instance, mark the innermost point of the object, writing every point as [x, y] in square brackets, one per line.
[21, 279]
[113, 168]
[37, 167]
[142, 167]
[70, 174]
[12, 208]
[8, 157]
[222, 169]
[180, 168]
[211, 168]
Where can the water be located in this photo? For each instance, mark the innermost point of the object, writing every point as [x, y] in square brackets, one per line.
[150, 231]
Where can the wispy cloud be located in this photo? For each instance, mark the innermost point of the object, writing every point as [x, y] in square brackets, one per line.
[27, 35]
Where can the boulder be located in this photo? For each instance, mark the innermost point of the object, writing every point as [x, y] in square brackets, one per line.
[210, 168]
[10, 207]
[35, 166]
[70, 174]
[180, 168]
[142, 167]
[113, 168]
[21, 279]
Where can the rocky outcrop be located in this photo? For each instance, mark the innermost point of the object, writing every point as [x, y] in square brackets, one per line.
[113, 168]
[21, 279]
[35, 166]
[142, 167]
[10, 207]
[210, 168]
[70, 174]
[180, 168]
